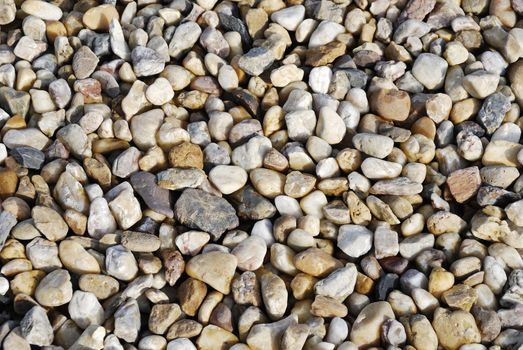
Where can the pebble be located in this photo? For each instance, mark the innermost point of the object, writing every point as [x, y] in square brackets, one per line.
[42, 9]
[36, 328]
[214, 268]
[54, 289]
[228, 178]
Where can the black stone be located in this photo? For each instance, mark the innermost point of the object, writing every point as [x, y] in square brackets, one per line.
[234, 24]
[28, 157]
[245, 99]
[386, 284]
[394, 264]
[204, 211]
[493, 111]
[156, 198]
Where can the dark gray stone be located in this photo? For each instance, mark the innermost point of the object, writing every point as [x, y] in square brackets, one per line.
[28, 157]
[493, 111]
[156, 198]
[253, 206]
[15, 102]
[385, 285]
[201, 210]
[234, 24]
[490, 195]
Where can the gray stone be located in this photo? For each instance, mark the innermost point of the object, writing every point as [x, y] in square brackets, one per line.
[28, 157]
[493, 111]
[36, 328]
[84, 62]
[146, 62]
[201, 210]
[7, 222]
[156, 198]
[256, 61]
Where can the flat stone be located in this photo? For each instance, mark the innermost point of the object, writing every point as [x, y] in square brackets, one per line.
[216, 215]
[464, 183]
[180, 178]
[401, 186]
[156, 198]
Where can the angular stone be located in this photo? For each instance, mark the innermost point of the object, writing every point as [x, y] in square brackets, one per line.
[146, 61]
[215, 214]
[180, 178]
[49, 222]
[84, 62]
[493, 111]
[464, 183]
[455, 328]
[214, 268]
[156, 198]
[127, 321]
[36, 328]
[28, 157]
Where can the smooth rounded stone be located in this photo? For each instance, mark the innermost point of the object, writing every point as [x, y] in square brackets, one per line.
[285, 75]
[191, 242]
[180, 344]
[339, 284]
[49, 222]
[325, 33]
[76, 259]
[216, 214]
[430, 70]
[499, 176]
[480, 83]
[185, 36]
[43, 254]
[354, 240]
[508, 132]
[373, 145]
[228, 178]
[374, 168]
[250, 155]
[425, 302]
[250, 253]
[146, 61]
[514, 212]
[102, 286]
[91, 338]
[127, 321]
[144, 128]
[316, 262]
[99, 17]
[7, 12]
[42, 9]
[140, 242]
[126, 209]
[366, 330]
[100, 220]
[228, 78]
[274, 294]
[290, 17]
[75, 140]
[213, 337]
[29, 137]
[268, 183]
[313, 203]
[330, 126]
[152, 342]
[501, 152]
[300, 124]
[54, 289]
[320, 79]
[4, 285]
[455, 328]
[159, 92]
[213, 268]
[288, 206]
[36, 328]
[85, 309]
[121, 263]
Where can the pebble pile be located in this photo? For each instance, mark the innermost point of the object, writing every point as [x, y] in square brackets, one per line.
[261, 175]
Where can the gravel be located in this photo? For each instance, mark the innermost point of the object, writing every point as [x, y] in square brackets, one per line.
[263, 175]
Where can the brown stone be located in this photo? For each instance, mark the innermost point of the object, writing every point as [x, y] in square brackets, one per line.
[328, 307]
[316, 262]
[173, 264]
[464, 183]
[325, 54]
[8, 182]
[191, 294]
[186, 155]
[391, 104]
